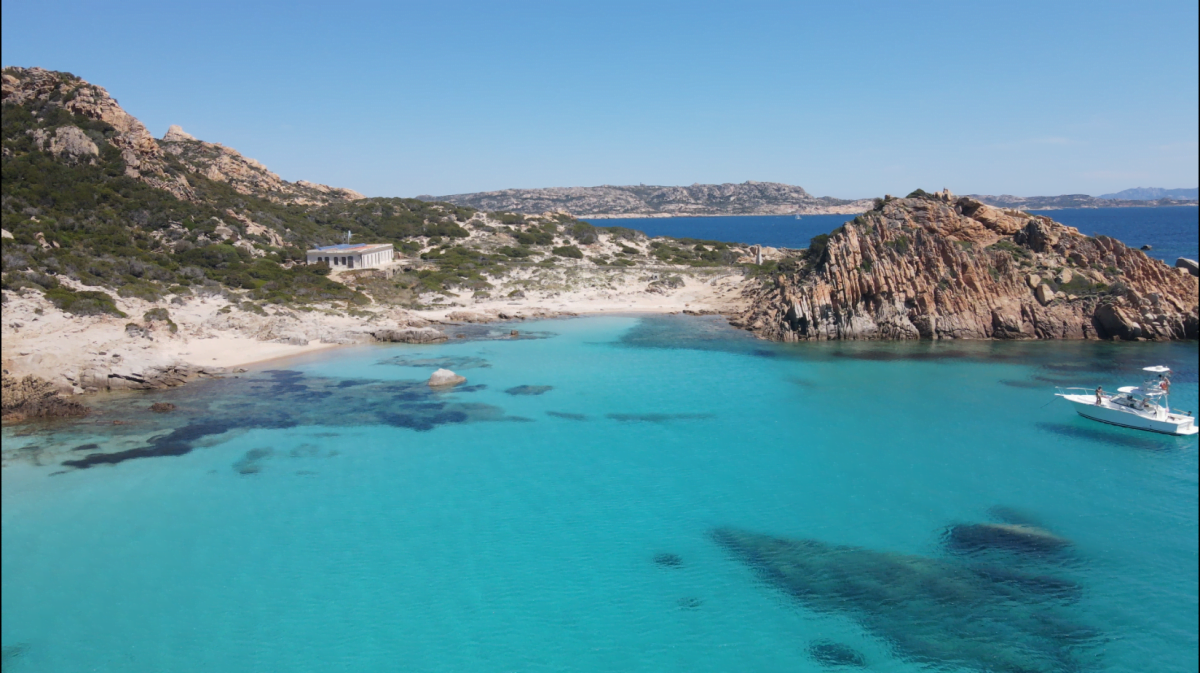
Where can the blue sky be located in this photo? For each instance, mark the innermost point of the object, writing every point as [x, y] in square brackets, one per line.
[849, 99]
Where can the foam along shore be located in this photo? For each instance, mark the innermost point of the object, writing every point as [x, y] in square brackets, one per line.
[169, 342]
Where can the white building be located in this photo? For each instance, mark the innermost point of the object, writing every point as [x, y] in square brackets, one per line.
[353, 255]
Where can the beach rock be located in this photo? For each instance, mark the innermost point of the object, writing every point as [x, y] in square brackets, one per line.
[32, 397]
[926, 268]
[419, 335]
[1147, 247]
[1188, 264]
[445, 378]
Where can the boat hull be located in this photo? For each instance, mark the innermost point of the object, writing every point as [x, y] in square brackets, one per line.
[1173, 424]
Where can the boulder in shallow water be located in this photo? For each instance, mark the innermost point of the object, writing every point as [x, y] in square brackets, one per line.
[162, 407]
[444, 378]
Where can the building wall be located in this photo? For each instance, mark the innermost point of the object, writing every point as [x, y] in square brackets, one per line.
[362, 260]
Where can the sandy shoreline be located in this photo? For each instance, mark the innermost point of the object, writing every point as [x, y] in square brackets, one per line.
[216, 334]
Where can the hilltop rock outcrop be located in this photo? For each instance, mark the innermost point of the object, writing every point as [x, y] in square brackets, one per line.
[934, 266]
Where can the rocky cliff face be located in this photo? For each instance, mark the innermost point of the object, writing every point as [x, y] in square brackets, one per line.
[46, 90]
[941, 267]
[748, 198]
[223, 164]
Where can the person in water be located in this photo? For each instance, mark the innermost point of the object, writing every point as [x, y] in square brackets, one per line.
[1099, 396]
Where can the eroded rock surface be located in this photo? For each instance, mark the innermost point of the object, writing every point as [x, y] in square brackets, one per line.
[942, 267]
[32, 397]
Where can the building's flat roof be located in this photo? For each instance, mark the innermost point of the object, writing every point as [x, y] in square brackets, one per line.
[351, 247]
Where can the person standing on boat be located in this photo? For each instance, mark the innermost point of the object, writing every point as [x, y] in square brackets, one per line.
[1099, 396]
[1164, 383]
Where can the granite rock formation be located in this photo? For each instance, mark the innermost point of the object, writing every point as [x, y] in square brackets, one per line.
[934, 266]
[747, 198]
[445, 378]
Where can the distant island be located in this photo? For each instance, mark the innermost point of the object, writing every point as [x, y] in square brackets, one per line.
[755, 198]
[1130, 198]
[610, 201]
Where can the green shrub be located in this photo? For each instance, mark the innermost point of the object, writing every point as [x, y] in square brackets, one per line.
[85, 302]
[568, 251]
[817, 246]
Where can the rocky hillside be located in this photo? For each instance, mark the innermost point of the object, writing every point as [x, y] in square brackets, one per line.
[1081, 201]
[748, 198]
[935, 266]
[247, 176]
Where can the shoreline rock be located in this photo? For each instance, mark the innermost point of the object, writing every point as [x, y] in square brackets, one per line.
[934, 266]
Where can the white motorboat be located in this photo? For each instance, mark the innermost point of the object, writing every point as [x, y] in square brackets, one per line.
[1144, 407]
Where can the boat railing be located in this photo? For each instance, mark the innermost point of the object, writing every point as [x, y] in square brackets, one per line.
[1074, 390]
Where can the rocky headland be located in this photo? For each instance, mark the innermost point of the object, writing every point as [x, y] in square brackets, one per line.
[936, 266]
[1175, 197]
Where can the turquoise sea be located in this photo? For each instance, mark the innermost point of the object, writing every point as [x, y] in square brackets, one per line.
[611, 494]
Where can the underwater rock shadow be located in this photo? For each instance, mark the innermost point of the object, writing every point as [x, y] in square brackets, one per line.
[829, 653]
[180, 441]
[931, 611]
[658, 418]
[567, 415]
[454, 363]
[529, 390]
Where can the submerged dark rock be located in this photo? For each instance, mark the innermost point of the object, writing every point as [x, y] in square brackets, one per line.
[90, 446]
[251, 463]
[567, 415]
[1005, 536]
[529, 390]
[830, 653]
[931, 611]
[689, 603]
[657, 418]
[162, 407]
[181, 441]
[668, 560]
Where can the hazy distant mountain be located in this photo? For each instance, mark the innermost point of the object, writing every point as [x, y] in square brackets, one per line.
[1153, 194]
[747, 198]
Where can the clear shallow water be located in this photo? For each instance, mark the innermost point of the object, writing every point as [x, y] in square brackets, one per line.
[1172, 232]
[501, 537]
